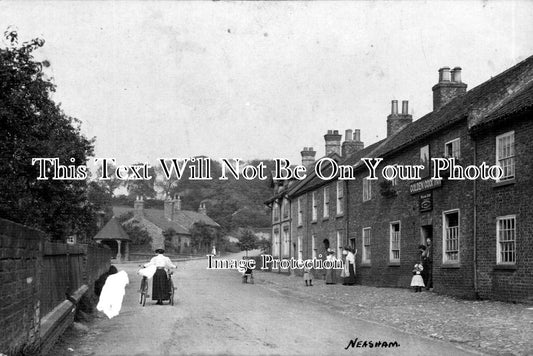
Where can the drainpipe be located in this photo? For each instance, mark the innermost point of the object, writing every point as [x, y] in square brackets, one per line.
[476, 293]
[346, 215]
[290, 232]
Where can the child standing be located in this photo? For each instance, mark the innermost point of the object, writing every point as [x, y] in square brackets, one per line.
[417, 280]
[308, 276]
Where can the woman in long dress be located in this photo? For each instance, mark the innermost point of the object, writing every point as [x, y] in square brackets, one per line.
[330, 272]
[160, 284]
[349, 266]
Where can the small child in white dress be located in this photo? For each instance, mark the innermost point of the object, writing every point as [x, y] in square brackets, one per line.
[417, 280]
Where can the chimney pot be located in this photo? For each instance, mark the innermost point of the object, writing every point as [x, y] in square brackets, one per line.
[348, 135]
[456, 75]
[405, 107]
[394, 108]
[444, 74]
[357, 135]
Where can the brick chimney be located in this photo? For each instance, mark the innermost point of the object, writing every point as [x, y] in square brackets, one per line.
[177, 203]
[169, 209]
[448, 87]
[202, 209]
[308, 156]
[352, 142]
[333, 142]
[396, 121]
[138, 207]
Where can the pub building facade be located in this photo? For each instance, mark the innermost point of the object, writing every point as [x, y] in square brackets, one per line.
[480, 230]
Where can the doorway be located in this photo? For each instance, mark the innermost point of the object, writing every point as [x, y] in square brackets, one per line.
[426, 239]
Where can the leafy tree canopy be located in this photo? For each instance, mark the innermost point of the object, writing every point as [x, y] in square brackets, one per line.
[34, 126]
[247, 240]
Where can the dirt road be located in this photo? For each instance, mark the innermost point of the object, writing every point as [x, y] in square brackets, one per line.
[215, 313]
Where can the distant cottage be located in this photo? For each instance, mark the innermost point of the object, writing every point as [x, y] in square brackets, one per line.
[172, 217]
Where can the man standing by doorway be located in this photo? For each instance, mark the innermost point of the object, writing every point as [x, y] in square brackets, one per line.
[427, 260]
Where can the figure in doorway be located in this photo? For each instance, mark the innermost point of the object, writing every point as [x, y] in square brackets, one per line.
[427, 263]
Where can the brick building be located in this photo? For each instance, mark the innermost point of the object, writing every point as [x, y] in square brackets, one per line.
[308, 215]
[480, 229]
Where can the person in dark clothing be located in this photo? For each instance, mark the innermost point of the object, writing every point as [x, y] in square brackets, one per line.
[161, 283]
[428, 267]
[99, 284]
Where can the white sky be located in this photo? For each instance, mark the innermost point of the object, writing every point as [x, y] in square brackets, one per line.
[258, 79]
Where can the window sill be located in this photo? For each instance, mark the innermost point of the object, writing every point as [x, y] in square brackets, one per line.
[505, 267]
[504, 183]
[325, 218]
[338, 216]
[313, 221]
[394, 264]
[451, 265]
[366, 264]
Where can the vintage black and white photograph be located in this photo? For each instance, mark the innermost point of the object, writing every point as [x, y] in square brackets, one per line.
[266, 178]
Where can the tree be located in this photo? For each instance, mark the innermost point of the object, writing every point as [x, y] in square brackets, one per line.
[113, 182]
[34, 126]
[100, 202]
[203, 236]
[247, 241]
[142, 187]
[137, 233]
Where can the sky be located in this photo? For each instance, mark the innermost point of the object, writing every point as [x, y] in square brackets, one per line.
[258, 79]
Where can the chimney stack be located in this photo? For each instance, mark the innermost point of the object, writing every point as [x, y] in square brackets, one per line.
[202, 209]
[138, 207]
[396, 122]
[177, 203]
[352, 142]
[333, 142]
[169, 209]
[448, 88]
[308, 156]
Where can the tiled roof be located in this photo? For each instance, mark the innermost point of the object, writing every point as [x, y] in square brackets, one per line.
[482, 100]
[520, 102]
[112, 231]
[312, 181]
[182, 223]
[506, 93]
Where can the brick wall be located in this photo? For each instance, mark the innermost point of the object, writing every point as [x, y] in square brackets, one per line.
[515, 282]
[20, 261]
[35, 278]
[322, 228]
[380, 211]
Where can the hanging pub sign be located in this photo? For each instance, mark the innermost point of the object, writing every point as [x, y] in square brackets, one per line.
[425, 184]
[425, 202]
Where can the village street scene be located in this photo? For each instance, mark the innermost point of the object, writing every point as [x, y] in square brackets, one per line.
[270, 178]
